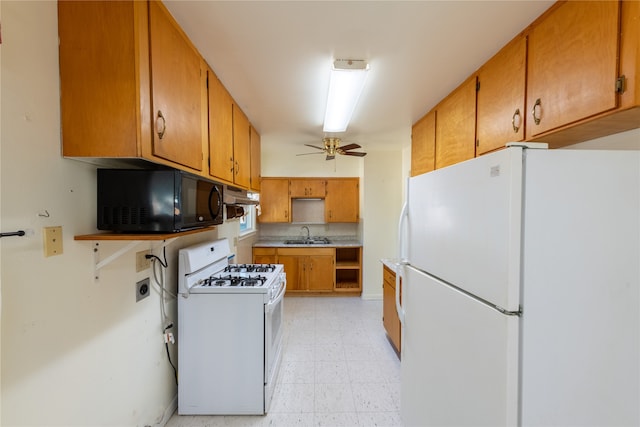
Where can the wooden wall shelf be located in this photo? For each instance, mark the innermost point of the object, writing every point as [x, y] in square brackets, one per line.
[136, 236]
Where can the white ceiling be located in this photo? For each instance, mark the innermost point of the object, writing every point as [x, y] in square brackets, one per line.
[274, 58]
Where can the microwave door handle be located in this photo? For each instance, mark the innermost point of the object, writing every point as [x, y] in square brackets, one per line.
[218, 211]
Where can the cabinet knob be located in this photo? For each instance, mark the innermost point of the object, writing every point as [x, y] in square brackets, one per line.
[237, 168]
[536, 111]
[161, 125]
[516, 120]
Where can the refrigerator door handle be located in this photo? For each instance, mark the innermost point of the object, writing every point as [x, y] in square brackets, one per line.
[442, 282]
[399, 274]
[401, 253]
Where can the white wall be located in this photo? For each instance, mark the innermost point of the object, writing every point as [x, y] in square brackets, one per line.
[382, 204]
[74, 352]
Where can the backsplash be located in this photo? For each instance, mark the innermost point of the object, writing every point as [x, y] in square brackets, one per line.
[341, 230]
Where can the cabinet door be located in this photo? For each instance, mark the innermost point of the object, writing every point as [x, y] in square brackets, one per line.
[255, 160]
[572, 65]
[294, 269]
[99, 96]
[456, 126]
[274, 200]
[320, 272]
[241, 148]
[423, 144]
[390, 318]
[307, 188]
[220, 129]
[176, 91]
[500, 103]
[342, 202]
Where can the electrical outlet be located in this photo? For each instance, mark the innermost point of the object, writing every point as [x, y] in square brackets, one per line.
[142, 263]
[52, 241]
[142, 289]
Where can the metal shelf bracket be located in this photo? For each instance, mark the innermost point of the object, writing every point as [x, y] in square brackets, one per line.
[98, 263]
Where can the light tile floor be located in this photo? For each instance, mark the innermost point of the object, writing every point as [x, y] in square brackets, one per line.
[338, 369]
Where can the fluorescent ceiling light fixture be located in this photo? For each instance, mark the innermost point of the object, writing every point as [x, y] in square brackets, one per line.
[345, 87]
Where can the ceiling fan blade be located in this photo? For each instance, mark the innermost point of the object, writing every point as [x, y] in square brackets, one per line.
[354, 153]
[306, 154]
[315, 146]
[330, 157]
[349, 147]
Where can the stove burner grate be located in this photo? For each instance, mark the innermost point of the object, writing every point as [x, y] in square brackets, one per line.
[232, 280]
[250, 268]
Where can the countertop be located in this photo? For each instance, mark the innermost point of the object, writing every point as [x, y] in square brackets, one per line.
[336, 242]
[390, 263]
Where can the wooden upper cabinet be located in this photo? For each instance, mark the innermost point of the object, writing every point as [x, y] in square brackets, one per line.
[241, 148]
[500, 98]
[220, 129]
[342, 201]
[176, 91]
[301, 188]
[111, 88]
[100, 102]
[572, 64]
[423, 144]
[274, 200]
[255, 160]
[456, 125]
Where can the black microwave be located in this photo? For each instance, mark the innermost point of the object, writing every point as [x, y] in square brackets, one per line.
[165, 201]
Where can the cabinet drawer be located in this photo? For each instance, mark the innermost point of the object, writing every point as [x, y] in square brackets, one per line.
[305, 251]
[389, 276]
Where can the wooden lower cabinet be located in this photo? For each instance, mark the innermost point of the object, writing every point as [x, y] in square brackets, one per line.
[390, 318]
[336, 270]
[308, 270]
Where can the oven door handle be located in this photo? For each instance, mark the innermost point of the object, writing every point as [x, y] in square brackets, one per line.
[277, 299]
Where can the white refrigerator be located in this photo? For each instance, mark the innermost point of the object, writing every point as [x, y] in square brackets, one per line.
[520, 291]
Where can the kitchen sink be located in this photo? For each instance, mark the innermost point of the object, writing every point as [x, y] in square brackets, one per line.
[309, 241]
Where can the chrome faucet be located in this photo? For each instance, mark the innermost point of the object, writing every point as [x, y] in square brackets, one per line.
[307, 228]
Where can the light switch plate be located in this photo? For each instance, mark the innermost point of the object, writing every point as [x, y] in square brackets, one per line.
[52, 240]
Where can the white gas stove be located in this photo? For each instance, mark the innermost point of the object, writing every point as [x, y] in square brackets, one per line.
[229, 331]
[205, 268]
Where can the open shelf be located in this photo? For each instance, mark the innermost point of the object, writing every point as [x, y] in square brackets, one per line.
[141, 236]
[348, 269]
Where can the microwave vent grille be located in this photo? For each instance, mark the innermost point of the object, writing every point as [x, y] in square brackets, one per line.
[125, 215]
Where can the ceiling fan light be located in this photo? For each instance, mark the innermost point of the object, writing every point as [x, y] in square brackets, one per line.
[345, 87]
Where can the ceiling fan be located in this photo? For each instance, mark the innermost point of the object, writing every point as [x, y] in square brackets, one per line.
[332, 147]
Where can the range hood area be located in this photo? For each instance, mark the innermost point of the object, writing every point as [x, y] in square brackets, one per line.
[235, 199]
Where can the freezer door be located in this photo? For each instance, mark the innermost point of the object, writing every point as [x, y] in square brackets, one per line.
[464, 222]
[459, 358]
[581, 296]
